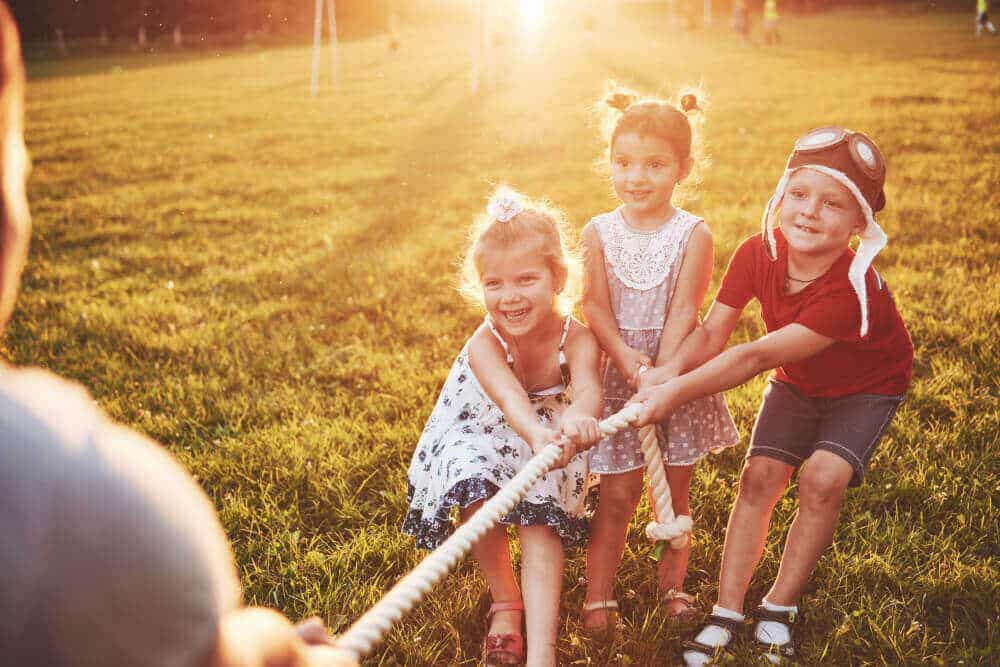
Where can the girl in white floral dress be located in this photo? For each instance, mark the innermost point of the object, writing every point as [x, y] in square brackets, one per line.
[528, 375]
[648, 266]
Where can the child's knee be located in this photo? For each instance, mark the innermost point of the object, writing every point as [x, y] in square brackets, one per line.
[763, 480]
[822, 483]
[620, 494]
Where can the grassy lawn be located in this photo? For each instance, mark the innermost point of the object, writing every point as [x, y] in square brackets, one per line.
[264, 283]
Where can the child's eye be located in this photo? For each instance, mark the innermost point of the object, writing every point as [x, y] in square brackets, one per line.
[796, 194]
[656, 164]
[491, 284]
[832, 203]
[621, 162]
[527, 280]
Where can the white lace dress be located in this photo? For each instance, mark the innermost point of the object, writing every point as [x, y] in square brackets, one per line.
[642, 269]
[468, 451]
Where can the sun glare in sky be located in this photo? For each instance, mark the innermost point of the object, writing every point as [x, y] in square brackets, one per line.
[532, 15]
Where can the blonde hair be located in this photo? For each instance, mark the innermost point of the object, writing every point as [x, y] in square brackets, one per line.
[537, 222]
[622, 111]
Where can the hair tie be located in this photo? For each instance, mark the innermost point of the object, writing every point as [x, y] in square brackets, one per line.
[689, 102]
[504, 205]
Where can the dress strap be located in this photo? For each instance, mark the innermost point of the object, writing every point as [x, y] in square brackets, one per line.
[563, 364]
[503, 343]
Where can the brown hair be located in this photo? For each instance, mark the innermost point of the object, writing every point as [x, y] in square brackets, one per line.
[537, 224]
[623, 111]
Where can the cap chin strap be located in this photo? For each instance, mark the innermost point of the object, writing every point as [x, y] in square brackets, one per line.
[873, 238]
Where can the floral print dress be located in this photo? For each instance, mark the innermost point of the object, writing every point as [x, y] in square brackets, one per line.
[468, 451]
[642, 269]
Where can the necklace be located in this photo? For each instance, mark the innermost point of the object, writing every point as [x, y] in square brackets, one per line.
[789, 280]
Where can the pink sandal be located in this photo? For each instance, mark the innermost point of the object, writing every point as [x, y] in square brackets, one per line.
[505, 649]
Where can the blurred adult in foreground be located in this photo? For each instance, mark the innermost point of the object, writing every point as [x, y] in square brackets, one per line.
[111, 554]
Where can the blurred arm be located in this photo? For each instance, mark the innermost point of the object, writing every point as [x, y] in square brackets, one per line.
[15, 218]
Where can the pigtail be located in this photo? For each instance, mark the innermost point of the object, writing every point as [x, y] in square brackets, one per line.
[620, 100]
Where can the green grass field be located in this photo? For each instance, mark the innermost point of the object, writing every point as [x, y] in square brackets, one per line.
[265, 284]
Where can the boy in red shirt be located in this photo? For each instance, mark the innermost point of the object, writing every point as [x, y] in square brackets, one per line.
[842, 360]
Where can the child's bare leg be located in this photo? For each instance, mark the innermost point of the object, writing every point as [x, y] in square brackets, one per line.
[541, 578]
[761, 485]
[672, 569]
[822, 482]
[618, 499]
[492, 553]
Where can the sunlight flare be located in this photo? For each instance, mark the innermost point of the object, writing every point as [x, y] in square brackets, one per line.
[532, 13]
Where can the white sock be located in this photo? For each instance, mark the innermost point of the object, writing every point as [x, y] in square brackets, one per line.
[773, 632]
[712, 635]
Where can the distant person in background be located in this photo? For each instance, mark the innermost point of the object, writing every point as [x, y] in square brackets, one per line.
[770, 24]
[741, 20]
[110, 554]
[983, 19]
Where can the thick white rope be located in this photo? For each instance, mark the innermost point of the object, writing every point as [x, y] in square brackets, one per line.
[369, 630]
[666, 526]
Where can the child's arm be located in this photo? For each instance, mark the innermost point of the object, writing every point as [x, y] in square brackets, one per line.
[689, 294]
[489, 363]
[732, 368]
[705, 341]
[597, 309]
[579, 420]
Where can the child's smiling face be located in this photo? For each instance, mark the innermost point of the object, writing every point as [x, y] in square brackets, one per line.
[645, 170]
[818, 214]
[519, 289]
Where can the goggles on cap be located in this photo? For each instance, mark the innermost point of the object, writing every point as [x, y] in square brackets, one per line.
[863, 151]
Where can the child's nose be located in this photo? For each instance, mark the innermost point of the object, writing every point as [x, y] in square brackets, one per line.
[812, 206]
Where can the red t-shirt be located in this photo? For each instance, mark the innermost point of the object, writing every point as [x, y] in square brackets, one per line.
[879, 363]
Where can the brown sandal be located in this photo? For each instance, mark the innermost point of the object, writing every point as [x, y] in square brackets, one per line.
[684, 607]
[505, 649]
[608, 632]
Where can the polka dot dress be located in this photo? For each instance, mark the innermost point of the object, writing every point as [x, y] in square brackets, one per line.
[642, 269]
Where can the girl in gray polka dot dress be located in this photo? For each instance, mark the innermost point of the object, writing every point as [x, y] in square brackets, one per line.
[648, 266]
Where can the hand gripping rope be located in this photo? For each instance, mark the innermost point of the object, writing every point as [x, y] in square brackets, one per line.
[359, 640]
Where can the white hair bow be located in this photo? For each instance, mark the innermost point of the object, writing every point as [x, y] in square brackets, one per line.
[504, 205]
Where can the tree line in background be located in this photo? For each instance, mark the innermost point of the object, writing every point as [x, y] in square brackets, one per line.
[107, 20]
[118, 19]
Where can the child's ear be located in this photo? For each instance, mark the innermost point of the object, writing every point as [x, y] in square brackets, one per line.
[860, 224]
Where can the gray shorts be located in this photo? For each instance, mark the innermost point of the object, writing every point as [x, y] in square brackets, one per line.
[790, 426]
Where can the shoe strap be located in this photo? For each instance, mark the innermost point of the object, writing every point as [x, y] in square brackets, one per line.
[508, 605]
[762, 613]
[674, 594]
[607, 605]
[731, 624]
[705, 649]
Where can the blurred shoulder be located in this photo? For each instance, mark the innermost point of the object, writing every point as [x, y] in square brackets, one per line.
[32, 399]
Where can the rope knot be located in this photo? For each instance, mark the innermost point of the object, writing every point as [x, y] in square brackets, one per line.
[675, 530]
